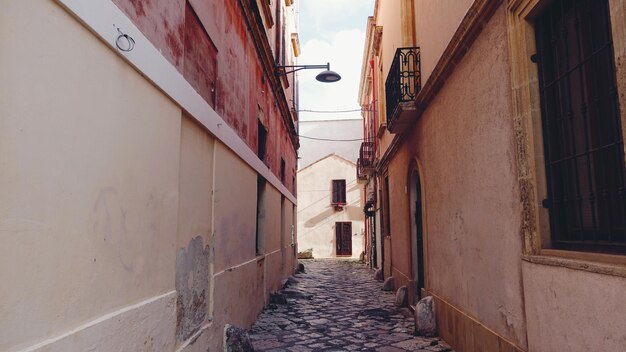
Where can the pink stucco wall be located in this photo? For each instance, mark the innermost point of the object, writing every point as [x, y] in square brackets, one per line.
[242, 92]
[464, 146]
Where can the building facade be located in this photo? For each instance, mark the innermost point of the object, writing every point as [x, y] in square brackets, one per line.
[148, 155]
[330, 215]
[495, 179]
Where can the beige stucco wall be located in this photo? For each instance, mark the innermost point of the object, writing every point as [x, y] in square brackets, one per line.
[316, 216]
[435, 24]
[389, 13]
[573, 310]
[196, 183]
[235, 222]
[464, 143]
[109, 195]
[83, 193]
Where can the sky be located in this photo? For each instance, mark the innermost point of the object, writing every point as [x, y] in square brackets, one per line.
[332, 31]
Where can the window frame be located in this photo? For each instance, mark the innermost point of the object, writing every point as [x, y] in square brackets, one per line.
[570, 71]
[338, 196]
[535, 225]
[340, 226]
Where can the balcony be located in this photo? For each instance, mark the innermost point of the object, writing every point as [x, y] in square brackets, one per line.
[365, 163]
[366, 154]
[402, 85]
[360, 172]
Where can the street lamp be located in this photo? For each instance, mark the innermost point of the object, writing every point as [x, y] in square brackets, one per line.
[326, 76]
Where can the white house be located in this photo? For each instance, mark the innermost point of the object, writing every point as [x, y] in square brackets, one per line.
[330, 213]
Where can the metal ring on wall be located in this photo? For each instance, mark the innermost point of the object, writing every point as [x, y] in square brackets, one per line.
[130, 42]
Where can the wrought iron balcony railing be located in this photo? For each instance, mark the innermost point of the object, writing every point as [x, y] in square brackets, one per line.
[366, 154]
[402, 85]
[360, 171]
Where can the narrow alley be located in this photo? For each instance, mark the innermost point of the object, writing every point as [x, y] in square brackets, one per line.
[336, 305]
[446, 168]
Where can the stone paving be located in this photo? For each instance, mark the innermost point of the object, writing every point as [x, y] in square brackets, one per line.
[336, 305]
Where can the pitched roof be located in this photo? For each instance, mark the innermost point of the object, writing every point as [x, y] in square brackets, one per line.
[326, 157]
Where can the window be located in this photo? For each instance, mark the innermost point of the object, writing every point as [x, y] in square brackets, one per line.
[583, 144]
[282, 170]
[387, 210]
[260, 216]
[339, 192]
[262, 141]
[200, 57]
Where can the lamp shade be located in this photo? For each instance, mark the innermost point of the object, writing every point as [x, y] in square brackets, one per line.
[328, 76]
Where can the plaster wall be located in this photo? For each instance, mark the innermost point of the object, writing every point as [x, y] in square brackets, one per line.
[573, 310]
[193, 279]
[385, 136]
[316, 216]
[273, 215]
[432, 39]
[273, 241]
[464, 142]
[400, 218]
[241, 90]
[83, 193]
[235, 222]
[389, 14]
[435, 24]
[195, 211]
[291, 243]
[618, 29]
[117, 207]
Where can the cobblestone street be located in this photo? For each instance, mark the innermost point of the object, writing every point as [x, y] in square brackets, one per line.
[336, 305]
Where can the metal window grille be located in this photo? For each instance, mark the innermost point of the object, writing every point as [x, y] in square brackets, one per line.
[583, 141]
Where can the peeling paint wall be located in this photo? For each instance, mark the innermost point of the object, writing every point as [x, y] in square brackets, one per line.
[209, 43]
[132, 226]
[195, 236]
[89, 153]
[192, 287]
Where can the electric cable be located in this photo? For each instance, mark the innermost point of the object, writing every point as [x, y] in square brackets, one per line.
[332, 140]
[332, 111]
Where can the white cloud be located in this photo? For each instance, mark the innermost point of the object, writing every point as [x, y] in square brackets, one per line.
[326, 16]
[344, 52]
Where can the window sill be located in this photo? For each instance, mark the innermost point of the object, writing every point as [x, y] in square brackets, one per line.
[598, 263]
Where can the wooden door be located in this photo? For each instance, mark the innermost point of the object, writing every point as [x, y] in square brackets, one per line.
[343, 238]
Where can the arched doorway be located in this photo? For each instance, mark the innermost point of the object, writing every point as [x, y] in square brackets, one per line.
[417, 234]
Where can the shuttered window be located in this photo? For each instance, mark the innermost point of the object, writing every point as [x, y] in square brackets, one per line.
[339, 192]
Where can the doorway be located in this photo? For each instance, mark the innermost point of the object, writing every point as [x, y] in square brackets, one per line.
[417, 235]
[343, 238]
